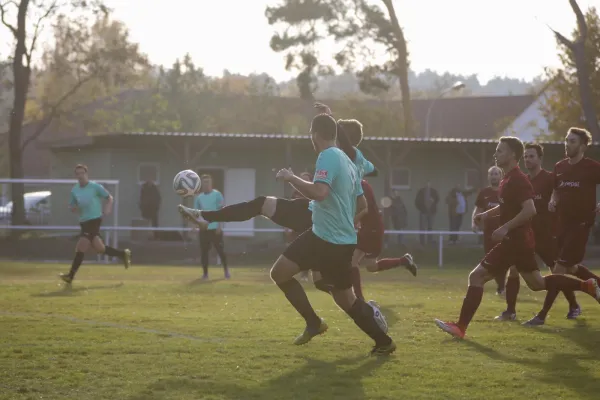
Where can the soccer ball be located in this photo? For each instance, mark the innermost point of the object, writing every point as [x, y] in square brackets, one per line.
[187, 183]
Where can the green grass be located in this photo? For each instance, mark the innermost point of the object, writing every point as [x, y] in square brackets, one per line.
[156, 333]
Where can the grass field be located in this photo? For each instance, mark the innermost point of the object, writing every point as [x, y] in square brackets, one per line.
[158, 333]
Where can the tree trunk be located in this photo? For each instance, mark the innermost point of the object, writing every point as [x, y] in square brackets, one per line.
[585, 92]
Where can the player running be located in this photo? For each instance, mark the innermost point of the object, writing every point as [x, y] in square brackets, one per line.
[86, 200]
[516, 243]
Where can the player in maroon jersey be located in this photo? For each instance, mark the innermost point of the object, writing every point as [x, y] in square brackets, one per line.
[574, 200]
[544, 230]
[516, 244]
[487, 198]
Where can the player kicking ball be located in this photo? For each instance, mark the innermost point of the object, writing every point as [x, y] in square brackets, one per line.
[515, 241]
[86, 200]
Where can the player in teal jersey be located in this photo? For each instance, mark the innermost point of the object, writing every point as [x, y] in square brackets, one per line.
[87, 200]
[329, 245]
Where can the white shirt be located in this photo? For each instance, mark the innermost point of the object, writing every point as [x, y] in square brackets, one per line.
[461, 203]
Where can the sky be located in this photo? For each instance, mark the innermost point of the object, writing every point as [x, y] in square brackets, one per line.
[486, 38]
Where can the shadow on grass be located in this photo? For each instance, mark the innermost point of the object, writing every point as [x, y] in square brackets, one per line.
[70, 291]
[201, 281]
[339, 379]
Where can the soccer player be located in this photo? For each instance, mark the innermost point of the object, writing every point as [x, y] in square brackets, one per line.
[86, 200]
[574, 200]
[329, 245]
[290, 234]
[516, 245]
[487, 198]
[544, 231]
[211, 200]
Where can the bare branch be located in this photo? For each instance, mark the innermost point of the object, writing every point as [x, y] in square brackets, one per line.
[36, 32]
[55, 111]
[3, 7]
[581, 23]
[569, 44]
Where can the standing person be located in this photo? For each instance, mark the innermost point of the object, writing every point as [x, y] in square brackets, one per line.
[426, 202]
[457, 208]
[150, 204]
[487, 198]
[516, 243]
[329, 245]
[86, 200]
[398, 214]
[211, 200]
[574, 200]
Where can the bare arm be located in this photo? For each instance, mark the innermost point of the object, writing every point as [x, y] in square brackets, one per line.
[315, 191]
[474, 223]
[108, 205]
[526, 213]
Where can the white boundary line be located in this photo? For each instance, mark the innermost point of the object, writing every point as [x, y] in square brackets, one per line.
[111, 325]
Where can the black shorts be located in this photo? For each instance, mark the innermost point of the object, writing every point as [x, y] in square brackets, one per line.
[333, 261]
[90, 228]
[293, 214]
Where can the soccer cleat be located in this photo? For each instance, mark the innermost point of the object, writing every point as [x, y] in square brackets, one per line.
[127, 258]
[385, 350]
[506, 316]
[450, 328]
[378, 316]
[574, 313]
[310, 333]
[535, 321]
[67, 278]
[192, 215]
[592, 288]
[410, 266]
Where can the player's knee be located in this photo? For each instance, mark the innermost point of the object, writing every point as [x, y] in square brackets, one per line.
[477, 277]
[83, 244]
[323, 286]
[513, 273]
[268, 205]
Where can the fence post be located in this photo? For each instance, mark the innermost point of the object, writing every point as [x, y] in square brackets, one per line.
[440, 251]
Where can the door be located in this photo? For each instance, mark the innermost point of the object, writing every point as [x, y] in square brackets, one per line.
[240, 185]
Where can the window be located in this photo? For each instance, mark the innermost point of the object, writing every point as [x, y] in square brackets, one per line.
[472, 178]
[148, 172]
[400, 177]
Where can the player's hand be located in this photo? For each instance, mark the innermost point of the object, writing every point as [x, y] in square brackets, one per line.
[357, 225]
[479, 218]
[285, 174]
[499, 234]
[322, 108]
[552, 205]
[474, 227]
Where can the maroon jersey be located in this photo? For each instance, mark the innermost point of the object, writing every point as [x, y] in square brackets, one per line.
[575, 185]
[486, 200]
[515, 189]
[544, 221]
[372, 221]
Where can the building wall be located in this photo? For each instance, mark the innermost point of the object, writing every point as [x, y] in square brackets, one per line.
[532, 122]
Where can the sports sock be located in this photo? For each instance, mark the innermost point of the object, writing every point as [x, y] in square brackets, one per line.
[356, 283]
[236, 212]
[584, 273]
[388, 263]
[513, 285]
[554, 284]
[363, 316]
[501, 282]
[77, 260]
[551, 295]
[112, 252]
[570, 296]
[296, 295]
[470, 305]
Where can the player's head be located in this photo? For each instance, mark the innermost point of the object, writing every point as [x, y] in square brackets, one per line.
[533, 156]
[81, 173]
[206, 183]
[577, 141]
[509, 151]
[323, 132]
[353, 129]
[494, 176]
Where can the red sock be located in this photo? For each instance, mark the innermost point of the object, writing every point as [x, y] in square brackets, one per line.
[584, 273]
[470, 305]
[356, 284]
[389, 263]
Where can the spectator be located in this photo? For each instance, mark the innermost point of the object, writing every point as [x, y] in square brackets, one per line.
[398, 214]
[457, 208]
[150, 204]
[426, 202]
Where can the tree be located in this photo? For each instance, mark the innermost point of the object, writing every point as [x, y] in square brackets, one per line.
[574, 91]
[25, 19]
[359, 27]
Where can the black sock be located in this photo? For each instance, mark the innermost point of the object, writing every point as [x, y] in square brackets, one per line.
[362, 315]
[205, 270]
[512, 292]
[112, 252]
[236, 212]
[77, 260]
[296, 295]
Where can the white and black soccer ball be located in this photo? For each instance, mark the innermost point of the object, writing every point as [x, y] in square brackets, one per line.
[187, 183]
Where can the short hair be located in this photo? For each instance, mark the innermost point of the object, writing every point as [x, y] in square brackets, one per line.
[584, 135]
[206, 176]
[353, 130]
[515, 144]
[81, 166]
[324, 126]
[495, 167]
[539, 149]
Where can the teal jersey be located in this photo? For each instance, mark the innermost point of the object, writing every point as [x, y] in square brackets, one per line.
[88, 199]
[333, 217]
[211, 201]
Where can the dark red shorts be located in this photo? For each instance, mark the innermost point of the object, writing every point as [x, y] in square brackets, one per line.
[506, 254]
[370, 241]
[546, 248]
[572, 240]
[488, 244]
